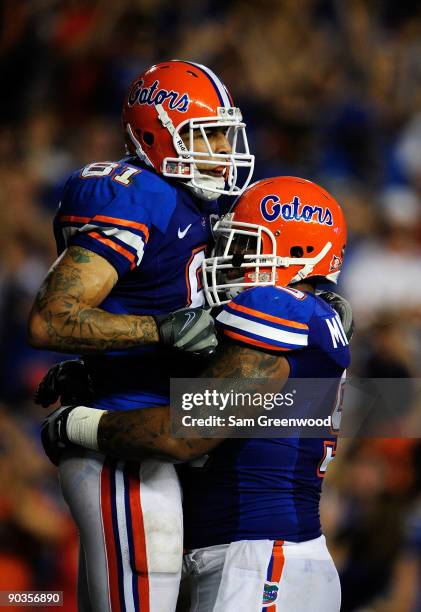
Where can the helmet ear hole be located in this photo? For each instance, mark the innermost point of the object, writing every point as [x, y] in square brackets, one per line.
[296, 251]
[309, 249]
[148, 138]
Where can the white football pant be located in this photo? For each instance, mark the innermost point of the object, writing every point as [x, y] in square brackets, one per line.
[130, 523]
[263, 576]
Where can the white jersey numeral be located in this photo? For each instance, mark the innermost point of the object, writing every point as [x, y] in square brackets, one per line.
[124, 178]
[99, 169]
[329, 454]
[102, 169]
[298, 295]
[195, 294]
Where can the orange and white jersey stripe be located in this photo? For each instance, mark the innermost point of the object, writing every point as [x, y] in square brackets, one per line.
[127, 238]
[267, 317]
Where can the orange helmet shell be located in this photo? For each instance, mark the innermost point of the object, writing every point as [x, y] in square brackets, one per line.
[185, 90]
[303, 217]
[175, 96]
[281, 231]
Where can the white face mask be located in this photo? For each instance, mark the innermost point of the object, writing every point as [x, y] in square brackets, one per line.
[220, 287]
[185, 166]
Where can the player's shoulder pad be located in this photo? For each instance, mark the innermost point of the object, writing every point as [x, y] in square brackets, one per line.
[274, 318]
[121, 190]
[326, 326]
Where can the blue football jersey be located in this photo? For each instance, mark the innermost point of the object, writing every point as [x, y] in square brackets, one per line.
[155, 233]
[253, 489]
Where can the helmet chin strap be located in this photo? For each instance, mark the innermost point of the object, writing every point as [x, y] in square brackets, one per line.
[309, 263]
[139, 151]
[200, 181]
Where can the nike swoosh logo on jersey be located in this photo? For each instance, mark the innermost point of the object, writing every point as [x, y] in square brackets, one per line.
[182, 233]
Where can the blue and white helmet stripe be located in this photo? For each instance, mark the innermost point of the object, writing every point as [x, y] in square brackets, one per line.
[217, 83]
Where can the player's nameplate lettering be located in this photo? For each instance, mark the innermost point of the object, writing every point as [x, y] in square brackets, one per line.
[336, 331]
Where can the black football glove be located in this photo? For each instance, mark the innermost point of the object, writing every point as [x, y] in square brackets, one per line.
[54, 435]
[68, 381]
[191, 330]
[342, 307]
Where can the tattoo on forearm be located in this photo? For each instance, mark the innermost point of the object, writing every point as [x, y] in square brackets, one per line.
[74, 326]
[137, 434]
[130, 433]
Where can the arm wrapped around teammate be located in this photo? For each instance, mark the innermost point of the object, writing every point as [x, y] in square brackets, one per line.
[189, 329]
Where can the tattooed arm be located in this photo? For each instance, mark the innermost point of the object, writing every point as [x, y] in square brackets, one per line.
[147, 432]
[65, 316]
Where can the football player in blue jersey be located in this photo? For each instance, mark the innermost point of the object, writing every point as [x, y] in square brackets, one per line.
[252, 526]
[131, 236]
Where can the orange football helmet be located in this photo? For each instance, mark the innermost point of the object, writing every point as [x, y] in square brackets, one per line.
[280, 231]
[182, 97]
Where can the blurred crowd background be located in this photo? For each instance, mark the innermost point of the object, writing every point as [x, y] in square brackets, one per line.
[331, 91]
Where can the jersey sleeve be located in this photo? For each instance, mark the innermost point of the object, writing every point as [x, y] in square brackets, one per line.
[108, 217]
[268, 317]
